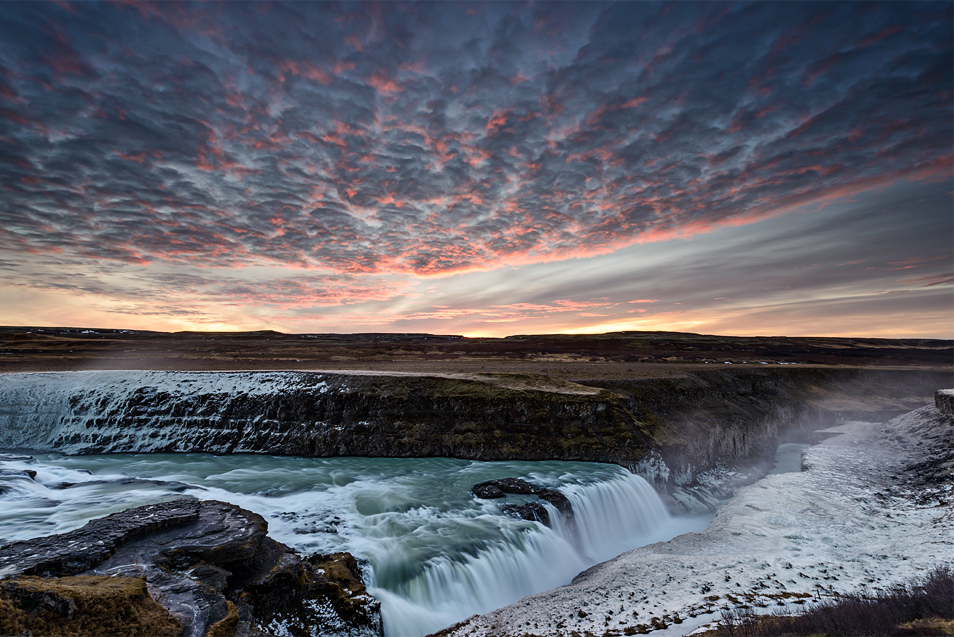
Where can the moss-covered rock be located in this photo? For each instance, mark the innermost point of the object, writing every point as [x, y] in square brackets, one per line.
[210, 566]
[85, 605]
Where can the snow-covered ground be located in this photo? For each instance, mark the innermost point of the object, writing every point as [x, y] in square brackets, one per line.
[860, 514]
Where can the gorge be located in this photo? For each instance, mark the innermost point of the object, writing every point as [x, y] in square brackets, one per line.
[380, 464]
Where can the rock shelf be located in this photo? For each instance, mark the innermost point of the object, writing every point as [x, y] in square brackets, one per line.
[209, 568]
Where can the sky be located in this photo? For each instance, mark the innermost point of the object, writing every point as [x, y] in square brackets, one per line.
[749, 168]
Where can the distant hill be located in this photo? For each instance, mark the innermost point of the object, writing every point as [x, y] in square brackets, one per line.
[565, 355]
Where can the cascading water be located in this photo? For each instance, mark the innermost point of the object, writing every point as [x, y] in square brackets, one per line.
[788, 457]
[433, 554]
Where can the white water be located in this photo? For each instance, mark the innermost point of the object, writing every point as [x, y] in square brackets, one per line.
[116, 411]
[788, 457]
[433, 554]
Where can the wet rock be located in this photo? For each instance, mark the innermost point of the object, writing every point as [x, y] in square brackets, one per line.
[532, 511]
[80, 550]
[210, 565]
[500, 488]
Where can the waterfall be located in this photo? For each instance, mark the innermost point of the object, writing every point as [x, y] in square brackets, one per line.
[433, 554]
[452, 588]
[611, 515]
[145, 411]
[615, 515]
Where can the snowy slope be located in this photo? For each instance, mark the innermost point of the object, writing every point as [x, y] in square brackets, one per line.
[858, 515]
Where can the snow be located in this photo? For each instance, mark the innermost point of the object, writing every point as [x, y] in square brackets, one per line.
[852, 518]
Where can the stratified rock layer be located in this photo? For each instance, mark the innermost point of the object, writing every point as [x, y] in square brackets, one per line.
[669, 430]
[210, 564]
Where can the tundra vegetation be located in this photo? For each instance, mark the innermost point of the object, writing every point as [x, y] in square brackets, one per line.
[924, 606]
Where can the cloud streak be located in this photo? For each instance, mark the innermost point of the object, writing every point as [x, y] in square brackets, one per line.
[357, 143]
[425, 140]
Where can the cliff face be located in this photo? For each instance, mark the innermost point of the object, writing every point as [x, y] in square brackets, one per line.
[316, 414]
[944, 401]
[733, 416]
[668, 429]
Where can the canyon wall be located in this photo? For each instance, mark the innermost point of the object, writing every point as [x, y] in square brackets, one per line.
[668, 429]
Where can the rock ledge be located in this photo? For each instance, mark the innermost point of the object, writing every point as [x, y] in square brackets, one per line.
[210, 565]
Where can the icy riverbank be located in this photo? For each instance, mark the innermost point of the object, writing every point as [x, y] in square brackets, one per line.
[872, 507]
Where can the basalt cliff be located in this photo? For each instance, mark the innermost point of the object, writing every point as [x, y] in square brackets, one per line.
[674, 430]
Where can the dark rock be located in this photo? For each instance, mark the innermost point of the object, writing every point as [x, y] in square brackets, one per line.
[210, 564]
[80, 550]
[487, 490]
[944, 401]
[532, 511]
[27, 473]
[499, 488]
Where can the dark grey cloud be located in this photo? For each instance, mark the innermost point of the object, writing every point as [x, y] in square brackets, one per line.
[434, 137]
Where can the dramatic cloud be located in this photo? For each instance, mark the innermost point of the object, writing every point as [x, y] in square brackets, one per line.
[334, 154]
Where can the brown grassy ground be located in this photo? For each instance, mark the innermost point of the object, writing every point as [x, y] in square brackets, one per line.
[578, 357]
[923, 607]
[84, 605]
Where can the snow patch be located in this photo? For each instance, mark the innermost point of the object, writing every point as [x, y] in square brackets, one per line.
[851, 520]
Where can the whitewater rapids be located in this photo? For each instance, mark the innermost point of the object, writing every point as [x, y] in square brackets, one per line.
[871, 508]
[433, 554]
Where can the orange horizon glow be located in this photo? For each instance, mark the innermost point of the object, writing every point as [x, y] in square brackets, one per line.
[420, 172]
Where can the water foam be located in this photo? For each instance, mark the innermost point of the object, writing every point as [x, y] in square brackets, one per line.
[433, 554]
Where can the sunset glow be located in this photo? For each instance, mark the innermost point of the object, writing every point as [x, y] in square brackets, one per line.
[479, 168]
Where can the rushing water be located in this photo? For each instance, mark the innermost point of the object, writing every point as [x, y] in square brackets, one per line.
[788, 457]
[434, 555]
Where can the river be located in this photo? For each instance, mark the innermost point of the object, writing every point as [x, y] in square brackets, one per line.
[431, 552]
